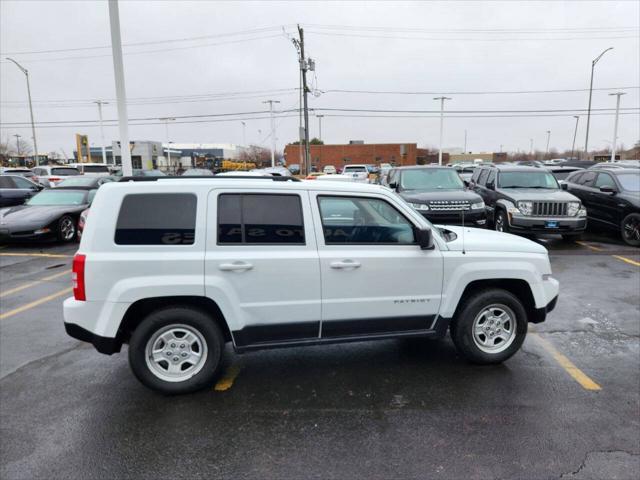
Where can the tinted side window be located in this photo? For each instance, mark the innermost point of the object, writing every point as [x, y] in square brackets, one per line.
[363, 221]
[393, 177]
[604, 179]
[483, 177]
[21, 182]
[157, 219]
[6, 182]
[587, 179]
[260, 219]
[476, 174]
[492, 177]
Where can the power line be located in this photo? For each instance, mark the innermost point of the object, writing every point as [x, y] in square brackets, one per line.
[151, 42]
[466, 39]
[489, 92]
[404, 28]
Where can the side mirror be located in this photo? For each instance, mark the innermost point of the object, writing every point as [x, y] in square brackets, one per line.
[393, 185]
[466, 183]
[607, 189]
[424, 238]
[491, 186]
[564, 186]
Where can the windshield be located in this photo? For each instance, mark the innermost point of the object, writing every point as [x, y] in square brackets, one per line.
[65, 171]
[152, 173]
[527, 180]
[629, 181]
[58, 197]
[430, 179]
[96, 168]
[197, 172]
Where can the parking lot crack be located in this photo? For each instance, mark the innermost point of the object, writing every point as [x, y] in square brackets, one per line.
[47, 357]
[605, 464]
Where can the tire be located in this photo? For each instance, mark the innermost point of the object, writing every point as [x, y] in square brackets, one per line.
[630, 229]
[188, 333]
[571, 237]
[501, 340]
[501, 222]
[66, 229]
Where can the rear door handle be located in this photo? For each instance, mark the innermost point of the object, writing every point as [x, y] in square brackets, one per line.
[345, 264]
[235, 266]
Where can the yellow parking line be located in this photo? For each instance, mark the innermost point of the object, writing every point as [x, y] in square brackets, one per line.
[591, 247]
[577, 374]
[627, 260]
[31, 284]
[226, 382]
[40, 301]
[48, 255]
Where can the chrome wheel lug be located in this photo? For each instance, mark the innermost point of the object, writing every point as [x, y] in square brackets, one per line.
[182, 345]
[175, 359]
[169, 354]
[184, 354]
[173, 345]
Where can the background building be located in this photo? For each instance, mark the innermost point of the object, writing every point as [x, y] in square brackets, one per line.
[397, 154]
[494, 157]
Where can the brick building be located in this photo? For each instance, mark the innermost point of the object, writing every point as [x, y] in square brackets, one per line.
[397, 154]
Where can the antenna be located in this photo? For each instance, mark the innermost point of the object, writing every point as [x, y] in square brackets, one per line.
[463, 249]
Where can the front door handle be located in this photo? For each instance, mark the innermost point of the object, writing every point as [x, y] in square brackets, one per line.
[235, 266]
[345, 264]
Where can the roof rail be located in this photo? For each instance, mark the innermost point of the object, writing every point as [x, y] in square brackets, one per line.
[217, 177]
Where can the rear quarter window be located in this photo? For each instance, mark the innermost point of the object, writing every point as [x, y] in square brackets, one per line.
[65, 172]
[157, 219]
[96, 168]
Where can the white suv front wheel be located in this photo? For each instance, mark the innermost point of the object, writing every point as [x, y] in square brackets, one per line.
[176, 350]
[490, 326]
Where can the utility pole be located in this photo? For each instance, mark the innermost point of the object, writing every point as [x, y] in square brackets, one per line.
[166, 121]
[615, 125]
[244, 134]
[17, 142]
[104, 153]
[575, 131]
[121, 94]
[501, 145]
[442, 99]
[548, 138]
[33, 126]
[320, 117]
[273, 132]
[465, 140]
[586, 138]
[304, 66]
[531, 145]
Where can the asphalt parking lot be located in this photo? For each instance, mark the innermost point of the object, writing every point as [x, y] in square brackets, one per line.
[567, 406]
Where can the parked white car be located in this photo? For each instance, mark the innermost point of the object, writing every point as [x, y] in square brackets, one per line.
[92, 169]
[176, 268]
[49, 176]
[359, 172]
[329, 170]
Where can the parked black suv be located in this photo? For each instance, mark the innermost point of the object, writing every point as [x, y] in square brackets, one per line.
[528, 200]
[612, 198]
[438, 193]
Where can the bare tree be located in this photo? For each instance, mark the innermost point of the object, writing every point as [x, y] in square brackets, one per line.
[6, 150]
[23, 147]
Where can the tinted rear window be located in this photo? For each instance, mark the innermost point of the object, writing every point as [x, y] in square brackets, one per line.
[96, 169]
[65, 171]
[260, 219]
[157, 219]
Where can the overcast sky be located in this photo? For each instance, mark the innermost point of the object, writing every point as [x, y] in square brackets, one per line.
[241, 49]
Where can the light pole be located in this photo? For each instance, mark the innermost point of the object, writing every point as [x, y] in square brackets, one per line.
[17, 142]
[615, 125]
[531, 146]
[573, 145]
[244, 143]
[121, 94]
[442, 99]
[548, 138]
[166, 121]
[465, 141]
[33, 127]
[273, 132]
[104, 153]
[593, 64]
[320, 117]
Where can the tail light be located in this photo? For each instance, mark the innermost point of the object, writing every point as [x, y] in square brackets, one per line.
[77, 276]
[54, 179]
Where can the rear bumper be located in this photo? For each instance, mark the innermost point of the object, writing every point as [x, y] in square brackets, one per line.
[562, 225]
[104, 345]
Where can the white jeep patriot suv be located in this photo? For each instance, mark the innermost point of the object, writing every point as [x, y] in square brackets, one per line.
[177, 267]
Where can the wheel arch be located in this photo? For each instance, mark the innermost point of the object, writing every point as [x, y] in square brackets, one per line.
[518, 287]
[139, 309]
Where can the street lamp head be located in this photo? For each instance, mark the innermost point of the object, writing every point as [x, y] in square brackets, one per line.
[24, 70]
[617, 94]
[595, 60]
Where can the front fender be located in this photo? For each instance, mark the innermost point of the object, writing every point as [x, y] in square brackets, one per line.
[462, 269]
